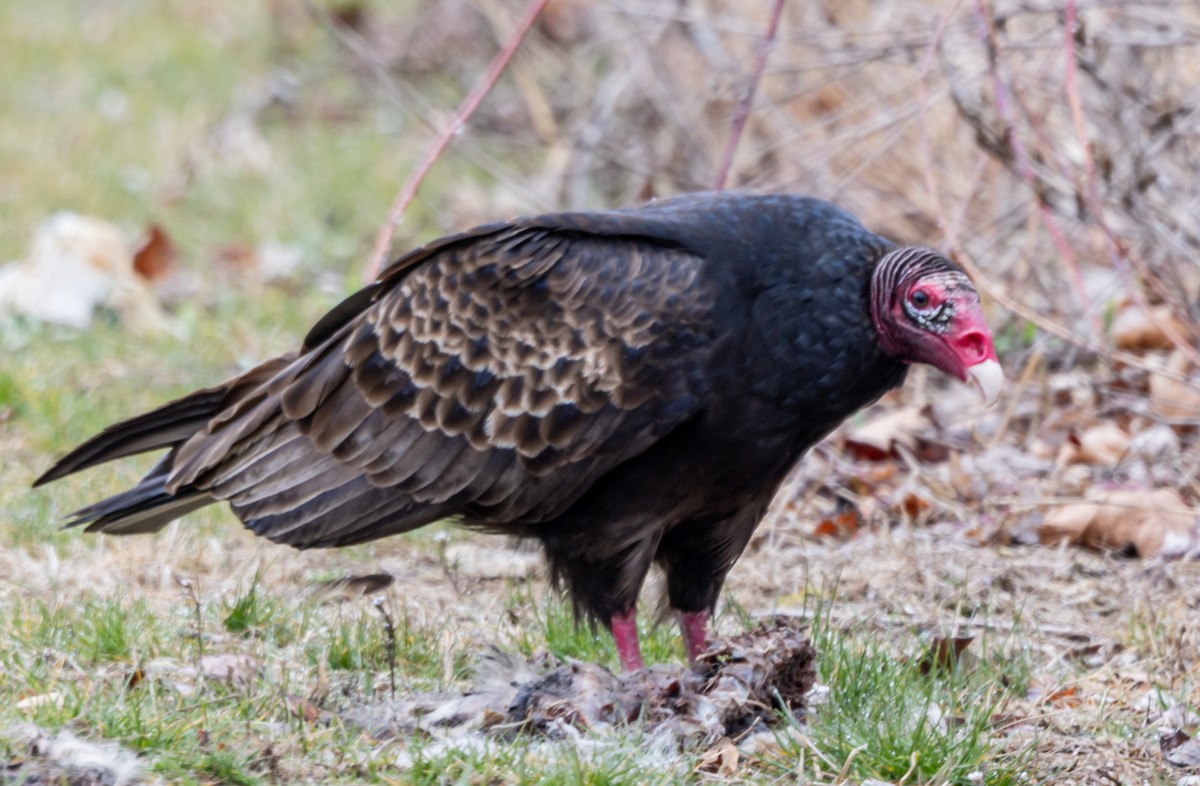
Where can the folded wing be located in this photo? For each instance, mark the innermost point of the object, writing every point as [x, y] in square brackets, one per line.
[493, 375]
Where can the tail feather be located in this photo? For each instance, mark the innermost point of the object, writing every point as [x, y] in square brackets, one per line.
[150, 505]
[151, 515]
[147, 507]
[166, 426]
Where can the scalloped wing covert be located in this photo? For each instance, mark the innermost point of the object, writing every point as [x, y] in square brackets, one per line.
[494, 376]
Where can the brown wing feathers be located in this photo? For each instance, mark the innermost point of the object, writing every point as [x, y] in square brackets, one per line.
[494, 375]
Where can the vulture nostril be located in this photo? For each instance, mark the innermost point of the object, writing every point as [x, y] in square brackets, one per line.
[972, 345]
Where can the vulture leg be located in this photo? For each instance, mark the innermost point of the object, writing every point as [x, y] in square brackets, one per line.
[604, 586]
[696, 555]
[694, 625]
[625, 635]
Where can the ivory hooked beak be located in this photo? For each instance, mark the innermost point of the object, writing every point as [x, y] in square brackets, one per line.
[988, 380]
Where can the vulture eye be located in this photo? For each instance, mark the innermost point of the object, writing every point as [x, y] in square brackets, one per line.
[919, 298]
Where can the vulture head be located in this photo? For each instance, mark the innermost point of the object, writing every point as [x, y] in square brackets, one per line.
[926, 310]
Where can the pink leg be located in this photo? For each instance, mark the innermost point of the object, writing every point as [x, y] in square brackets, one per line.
[625, 635]
[694, 625]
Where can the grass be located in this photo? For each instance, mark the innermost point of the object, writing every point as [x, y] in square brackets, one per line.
[123, 669]
[888, 719]
[618, 763]
[118, 667]
[552, 626]
[120, 670]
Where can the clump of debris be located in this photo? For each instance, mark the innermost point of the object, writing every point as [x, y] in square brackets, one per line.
[738, 686]
[62, 759]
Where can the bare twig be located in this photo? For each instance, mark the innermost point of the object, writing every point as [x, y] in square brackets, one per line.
[743, 111]
[1119, 253]
[389, 632]
[935, 193]
[1014, 393]
[950, 229]
[404, 97]
[383, 240]
[1021, 160]
[1023, 163]
[189, 587]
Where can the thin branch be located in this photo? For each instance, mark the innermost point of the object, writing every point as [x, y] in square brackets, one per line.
[743, 110]
[408, 100]
[935, 194]
[991, 42]
[1119, 253]
[950, 230]
[383, 240]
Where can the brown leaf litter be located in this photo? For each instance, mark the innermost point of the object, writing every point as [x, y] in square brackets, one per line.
[156, 255]
[1171, 398]
[1135, 328]
[880, 435]
[1155, 523]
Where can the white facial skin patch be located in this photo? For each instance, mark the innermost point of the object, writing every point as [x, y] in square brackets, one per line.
[937, 319]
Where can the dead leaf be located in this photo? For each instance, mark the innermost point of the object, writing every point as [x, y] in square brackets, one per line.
[877, 438]
[490, 718]
[1150, 523]
[1174, 399]
[913, 505]
[565, 21]
[134, 678]
[1064, 697]
[1135, 329]
[351, 15]
[932, 451]
[841, 525]
[304, 709]
[943, 653]
[1179, 749]
[721, 759]
[1104, 444]
[232, 667]
[156, 256]
[880, 474]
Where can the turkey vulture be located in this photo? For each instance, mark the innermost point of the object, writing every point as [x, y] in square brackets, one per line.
[628, 387]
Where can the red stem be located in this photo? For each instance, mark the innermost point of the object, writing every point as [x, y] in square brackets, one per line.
[383, 240]
[1021, 157]
[743, 110]
[1117, 252]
